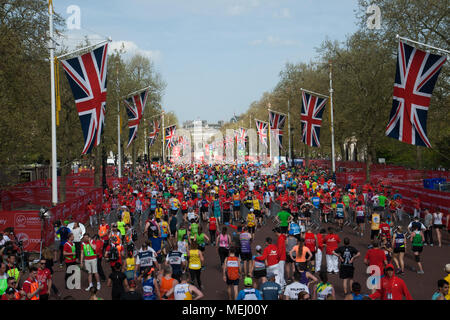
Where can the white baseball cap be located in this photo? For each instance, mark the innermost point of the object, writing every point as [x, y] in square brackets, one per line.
[447, 268]
[258, 247]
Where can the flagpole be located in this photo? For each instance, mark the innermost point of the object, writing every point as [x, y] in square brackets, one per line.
[119, 151]
[314, 93]
[332, 123]
[423, 44]
[53, 107]
[136, 92]
[83, 49]
[270, 144]
[289, 129]
[163, 136]
[145, 140]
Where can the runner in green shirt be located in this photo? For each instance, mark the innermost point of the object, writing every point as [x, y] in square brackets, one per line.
[307, 182]
[284, 218]
[346, 200]
[382, 200]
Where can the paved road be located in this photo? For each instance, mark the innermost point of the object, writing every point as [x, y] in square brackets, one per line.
[420, 286]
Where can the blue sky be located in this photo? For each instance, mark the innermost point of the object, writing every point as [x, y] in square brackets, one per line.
[216, 56]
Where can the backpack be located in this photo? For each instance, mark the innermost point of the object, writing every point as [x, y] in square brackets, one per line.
[130, 247]
[134, 235]
[114, 254]
[153, 229]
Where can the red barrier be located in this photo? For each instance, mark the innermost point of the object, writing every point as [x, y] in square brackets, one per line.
[76, 209]
[27, 227]
[27, 224]
[39, 192]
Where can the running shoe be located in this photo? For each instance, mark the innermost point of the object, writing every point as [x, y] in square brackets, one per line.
[420, 272]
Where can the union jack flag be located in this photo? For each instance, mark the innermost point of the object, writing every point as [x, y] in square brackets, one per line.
[228, 141]
[276, 125]
[87, 79]
[416, 74]
[311, 118]
[240, 135]
[262, 126]
[154, 134]
[135, 110]
[170, 136]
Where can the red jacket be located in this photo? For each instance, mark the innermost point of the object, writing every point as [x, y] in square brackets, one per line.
[281, 247]
[271, 254]
[391, 289]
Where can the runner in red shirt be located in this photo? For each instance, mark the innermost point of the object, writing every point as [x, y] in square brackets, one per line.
[320, 249]
[272, 257]
[385, 229]
[281, 247]
[311, 244]
[332, 241]
[375, 257]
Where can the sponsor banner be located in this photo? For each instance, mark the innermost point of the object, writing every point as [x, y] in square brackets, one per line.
[27, 224]
[31, 238]
[27, 227]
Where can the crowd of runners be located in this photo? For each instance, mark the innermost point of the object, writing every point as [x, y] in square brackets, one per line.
[149, 240]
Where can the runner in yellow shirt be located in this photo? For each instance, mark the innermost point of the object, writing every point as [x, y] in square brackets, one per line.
[251, 222]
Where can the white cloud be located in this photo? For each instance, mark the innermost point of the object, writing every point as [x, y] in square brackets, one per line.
[132, 48]
[275, 41]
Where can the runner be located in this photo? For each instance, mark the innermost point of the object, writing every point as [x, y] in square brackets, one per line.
[249, 293]
[167, 284]
[341, 209]
[150, 286]
[375, 219]
[302, 255]
[399, 249]
[284, 218]
[292, 290]
[146, 258]
[360, 218]
[417, 239]
[312, 244]
[356, 293]
[232, 271]
[347, 254]
[246, 251]
[323, 289]
[251, 222]
[236, 205]
[196, 260]
[213, 226]
[258, 267]
[331, 242]
[223, 242]
[176, 260]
